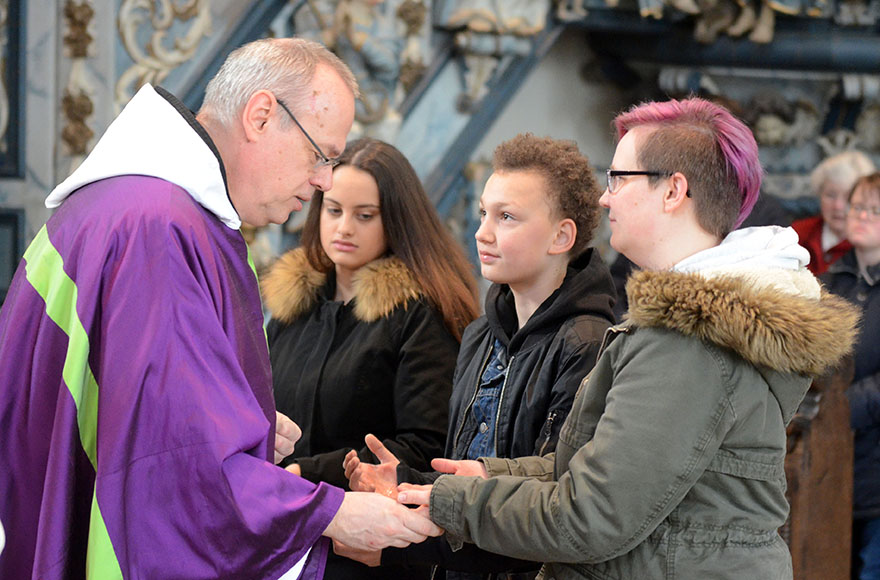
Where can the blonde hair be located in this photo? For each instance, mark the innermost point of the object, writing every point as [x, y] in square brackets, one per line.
[843, 169]
[284, 66]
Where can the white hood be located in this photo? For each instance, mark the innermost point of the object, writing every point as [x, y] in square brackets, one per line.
[150, 137]
[767, 256]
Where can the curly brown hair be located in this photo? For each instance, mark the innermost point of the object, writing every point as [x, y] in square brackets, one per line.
[571, 183]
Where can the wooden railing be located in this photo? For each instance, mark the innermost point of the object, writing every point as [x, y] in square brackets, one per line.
[819, 469]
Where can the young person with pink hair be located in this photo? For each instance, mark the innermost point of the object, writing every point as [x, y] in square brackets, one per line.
[670, 464]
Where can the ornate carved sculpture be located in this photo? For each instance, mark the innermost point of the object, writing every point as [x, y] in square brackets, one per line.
[167, 48]
[413, 14]
[77, 39]
[384, 42]
[777, 121]
[76, 104]
[487, 30]
[76, 134]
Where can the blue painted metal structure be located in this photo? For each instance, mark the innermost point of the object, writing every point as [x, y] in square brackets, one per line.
[799, 44]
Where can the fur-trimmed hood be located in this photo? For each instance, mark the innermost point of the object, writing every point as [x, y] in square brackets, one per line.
[760, 314]
[292, 286]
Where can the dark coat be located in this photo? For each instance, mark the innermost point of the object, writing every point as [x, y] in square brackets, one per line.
[547, 360]
[381, 364]
[844, 279]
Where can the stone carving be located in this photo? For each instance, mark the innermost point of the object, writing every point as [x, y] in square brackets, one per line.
[384, 42]
[868, 127]
[76, 102]
[78, 15]
[777, 121]
[177, 27]
[76, 134]
[487, 30]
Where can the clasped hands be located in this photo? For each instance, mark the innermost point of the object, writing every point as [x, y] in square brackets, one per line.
[365, 522]
[382, 479]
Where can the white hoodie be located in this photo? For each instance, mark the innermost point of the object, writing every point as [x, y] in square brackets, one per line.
[767, 256]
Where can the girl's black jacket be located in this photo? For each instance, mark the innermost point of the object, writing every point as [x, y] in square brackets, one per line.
[381, 364]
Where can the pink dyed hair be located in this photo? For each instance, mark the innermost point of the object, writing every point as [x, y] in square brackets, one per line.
[735, 140]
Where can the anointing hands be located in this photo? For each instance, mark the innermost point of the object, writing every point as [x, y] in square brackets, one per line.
[287, 433]
[382, 478]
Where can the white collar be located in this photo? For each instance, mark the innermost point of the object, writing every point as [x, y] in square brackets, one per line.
[151, 137]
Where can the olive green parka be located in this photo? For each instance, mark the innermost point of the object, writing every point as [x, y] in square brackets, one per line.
[670, 464]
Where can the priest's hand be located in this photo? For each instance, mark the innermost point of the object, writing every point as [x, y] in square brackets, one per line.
[369, 521]
[287, 433]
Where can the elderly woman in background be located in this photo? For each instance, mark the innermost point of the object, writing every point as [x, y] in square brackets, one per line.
[824, 235]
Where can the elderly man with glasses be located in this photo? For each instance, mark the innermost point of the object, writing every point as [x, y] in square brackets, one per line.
[135, 393]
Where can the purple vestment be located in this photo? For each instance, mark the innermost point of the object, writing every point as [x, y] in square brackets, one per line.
[136, 410]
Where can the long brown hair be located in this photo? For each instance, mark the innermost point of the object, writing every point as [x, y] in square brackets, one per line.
[413, 232]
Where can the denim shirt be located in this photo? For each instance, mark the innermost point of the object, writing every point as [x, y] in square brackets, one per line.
[485, 408]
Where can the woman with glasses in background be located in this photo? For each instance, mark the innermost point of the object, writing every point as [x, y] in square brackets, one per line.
[856, 276]
[367, 316]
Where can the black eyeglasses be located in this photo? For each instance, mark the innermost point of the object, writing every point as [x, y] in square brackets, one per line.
[871, 213]
[323, 160]
[614, 178]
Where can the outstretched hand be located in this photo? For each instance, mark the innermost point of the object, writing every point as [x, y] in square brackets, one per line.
[369, 521]
[460, 467]
[380, 478]
[287, 433]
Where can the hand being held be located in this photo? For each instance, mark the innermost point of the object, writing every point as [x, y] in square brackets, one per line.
[371, 558]
[380, 478]
[412, 494]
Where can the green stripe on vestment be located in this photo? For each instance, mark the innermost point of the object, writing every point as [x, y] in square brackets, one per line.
[44, 269]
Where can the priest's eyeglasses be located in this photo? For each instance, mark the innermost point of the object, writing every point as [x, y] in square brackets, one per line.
[614, 178]
[323, 160]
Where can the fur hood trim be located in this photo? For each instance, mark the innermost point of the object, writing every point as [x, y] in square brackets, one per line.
[785, 331]
[292, 286]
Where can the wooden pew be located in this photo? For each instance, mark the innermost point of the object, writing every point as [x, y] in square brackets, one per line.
[819, 470]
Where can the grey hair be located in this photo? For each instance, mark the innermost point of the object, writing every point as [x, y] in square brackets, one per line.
[843, 169]
[284, 66]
